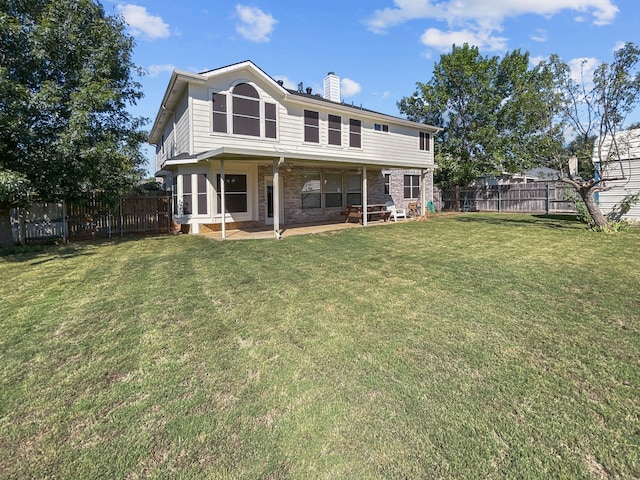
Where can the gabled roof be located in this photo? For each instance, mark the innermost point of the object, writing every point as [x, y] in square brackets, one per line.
[180, 79]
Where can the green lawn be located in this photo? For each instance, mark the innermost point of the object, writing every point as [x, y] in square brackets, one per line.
[470, 346]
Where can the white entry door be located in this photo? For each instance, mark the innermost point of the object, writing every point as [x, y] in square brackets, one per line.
[269, 196]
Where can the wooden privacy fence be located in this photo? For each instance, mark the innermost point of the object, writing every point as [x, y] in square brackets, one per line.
[43, 221]
[536, 197]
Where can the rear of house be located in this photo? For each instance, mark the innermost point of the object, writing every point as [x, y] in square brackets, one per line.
[619, 157]
[234, 140]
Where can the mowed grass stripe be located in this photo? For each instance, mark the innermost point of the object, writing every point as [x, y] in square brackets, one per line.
[470, 346]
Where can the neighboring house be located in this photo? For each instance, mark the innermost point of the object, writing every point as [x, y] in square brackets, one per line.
[235, 140]
[528, 176]
[619, 157]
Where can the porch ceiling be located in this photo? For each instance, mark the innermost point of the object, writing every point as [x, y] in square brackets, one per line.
[295, 158]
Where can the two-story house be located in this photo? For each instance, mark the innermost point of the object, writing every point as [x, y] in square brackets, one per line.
[234, 140]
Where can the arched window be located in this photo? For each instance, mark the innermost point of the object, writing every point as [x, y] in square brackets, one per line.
[246, 110]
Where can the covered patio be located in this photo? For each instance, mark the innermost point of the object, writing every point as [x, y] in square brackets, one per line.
[289, 231]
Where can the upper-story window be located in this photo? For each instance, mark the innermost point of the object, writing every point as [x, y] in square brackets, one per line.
[270, 125]
[311, 126]
[246, 110]
[379, 127]
[424, 141]
[335, 130]
[355, 133]
[219, 112]
[240, 111]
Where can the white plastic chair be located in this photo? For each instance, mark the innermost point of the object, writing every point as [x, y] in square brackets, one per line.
[396, 212]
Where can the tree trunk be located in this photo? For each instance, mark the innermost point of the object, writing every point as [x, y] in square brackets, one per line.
[6, 232]
[588, 196]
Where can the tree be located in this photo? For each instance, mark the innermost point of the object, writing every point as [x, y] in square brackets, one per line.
[492, 110]
[66, 81]
[594, 112]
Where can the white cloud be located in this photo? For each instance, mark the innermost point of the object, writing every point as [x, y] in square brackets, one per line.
[539, 35]
[582, 69]
[156, 70]
[255, 25]
[477, 21]
[495, 11]
[440, 40]
[142, 23]
[348, 88]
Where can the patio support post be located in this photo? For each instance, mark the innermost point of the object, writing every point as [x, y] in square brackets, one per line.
[223, 205]
[364, 196]
[276, 198]
[423, 192]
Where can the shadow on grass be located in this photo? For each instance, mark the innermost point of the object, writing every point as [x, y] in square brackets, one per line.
[551, 221]
[39, 254]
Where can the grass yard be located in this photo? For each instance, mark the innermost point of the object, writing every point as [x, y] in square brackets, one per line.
[470, 346]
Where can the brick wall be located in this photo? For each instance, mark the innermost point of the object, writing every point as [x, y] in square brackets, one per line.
[292, 179]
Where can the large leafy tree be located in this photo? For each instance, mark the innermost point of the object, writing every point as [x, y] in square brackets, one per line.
[492, 109]
[67, 80]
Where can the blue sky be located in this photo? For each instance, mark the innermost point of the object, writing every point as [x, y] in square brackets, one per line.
[379, 48]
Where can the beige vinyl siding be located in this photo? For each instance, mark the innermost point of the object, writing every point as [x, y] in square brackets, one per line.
[613, 197]
[175, 139]
[182, 126]
[167, 144]
[629, 146]
[398, 146]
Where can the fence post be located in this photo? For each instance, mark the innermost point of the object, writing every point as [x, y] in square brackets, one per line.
[499, 199]
[22, 226]
[457, 209]
[65, 223]
[548, 208]
[121, 218]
